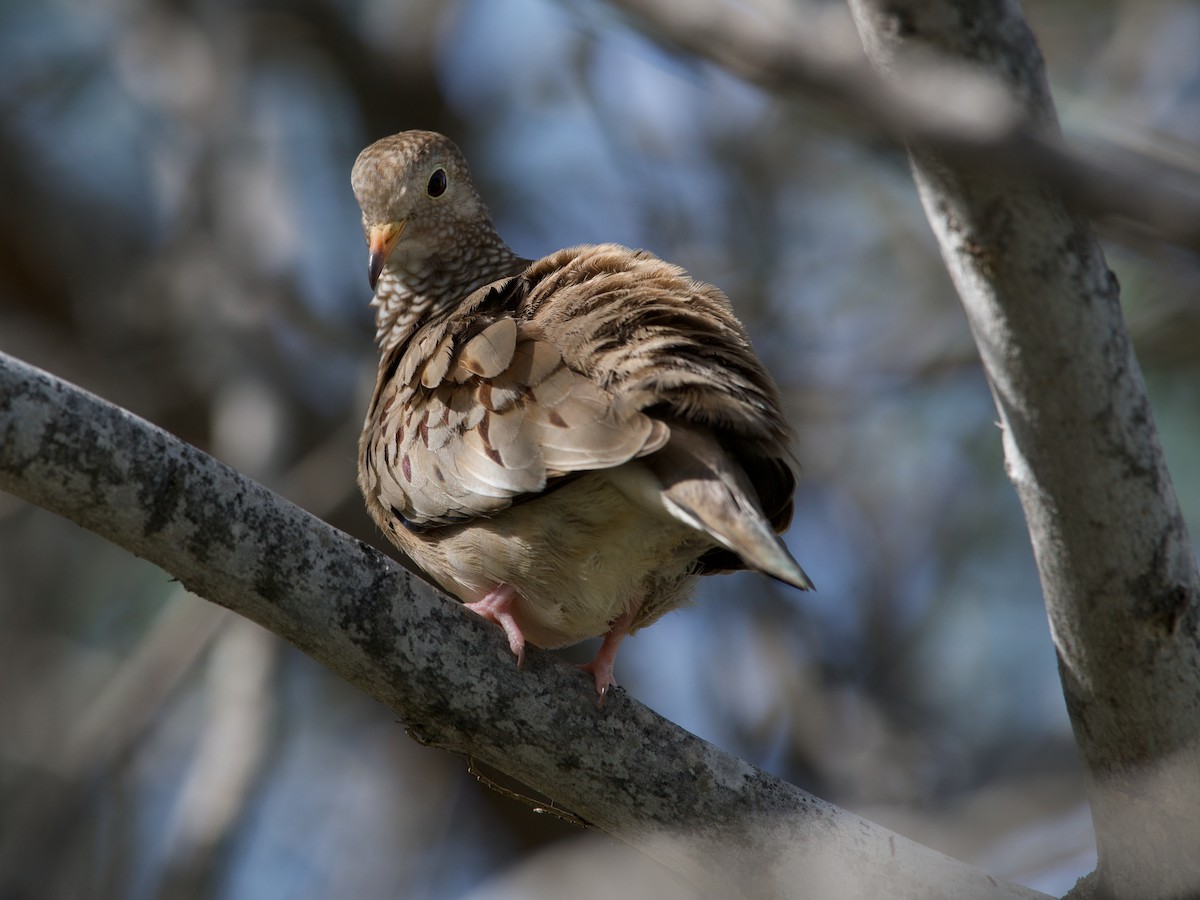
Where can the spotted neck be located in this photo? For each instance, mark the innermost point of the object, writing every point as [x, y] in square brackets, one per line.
[410, 290]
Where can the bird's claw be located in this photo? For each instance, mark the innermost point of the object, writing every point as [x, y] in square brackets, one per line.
[496, 607]
[601, 670]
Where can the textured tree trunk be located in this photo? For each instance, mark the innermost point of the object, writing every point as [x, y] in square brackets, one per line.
[1117, 569]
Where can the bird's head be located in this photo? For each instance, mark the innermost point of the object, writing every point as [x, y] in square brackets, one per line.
[419, 207]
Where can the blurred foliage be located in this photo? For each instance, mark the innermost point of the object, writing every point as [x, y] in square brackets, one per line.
[178, 236]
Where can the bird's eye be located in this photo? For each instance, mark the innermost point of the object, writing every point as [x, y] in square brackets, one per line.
[437, 183]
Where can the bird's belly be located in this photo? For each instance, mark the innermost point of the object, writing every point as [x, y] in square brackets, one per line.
[579, 557]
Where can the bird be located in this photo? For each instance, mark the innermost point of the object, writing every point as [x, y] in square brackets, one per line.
[564, 444]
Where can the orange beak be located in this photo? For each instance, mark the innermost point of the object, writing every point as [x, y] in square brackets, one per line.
[381, 240]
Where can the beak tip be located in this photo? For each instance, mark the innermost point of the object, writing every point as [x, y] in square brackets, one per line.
[374, 269]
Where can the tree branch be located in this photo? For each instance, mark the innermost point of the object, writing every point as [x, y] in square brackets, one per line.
[964, 112]
[1117, 568]
[720, 822]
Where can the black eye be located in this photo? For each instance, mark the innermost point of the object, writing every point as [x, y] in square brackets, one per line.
[437, 183]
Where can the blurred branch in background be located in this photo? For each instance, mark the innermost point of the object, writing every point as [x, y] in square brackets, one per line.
[811, 52]
[114, 722]
[226, 769]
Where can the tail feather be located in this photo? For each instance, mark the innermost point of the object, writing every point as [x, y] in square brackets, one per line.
[704, 487]
[709, 506]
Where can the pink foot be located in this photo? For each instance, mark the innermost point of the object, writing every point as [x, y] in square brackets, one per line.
[497, 607]
[601, 668]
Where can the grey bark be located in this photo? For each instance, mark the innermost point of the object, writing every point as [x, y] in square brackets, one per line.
[728, 827]
[1117, 568]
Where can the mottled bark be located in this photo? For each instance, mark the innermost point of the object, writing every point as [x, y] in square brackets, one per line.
[1118, 572]
[723, 824]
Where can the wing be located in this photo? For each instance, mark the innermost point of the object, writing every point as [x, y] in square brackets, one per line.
[482, 410]
[667, 344]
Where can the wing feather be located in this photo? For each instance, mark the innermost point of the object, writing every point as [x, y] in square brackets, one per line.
[491, 416]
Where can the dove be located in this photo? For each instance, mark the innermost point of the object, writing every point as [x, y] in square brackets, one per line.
[564, 444]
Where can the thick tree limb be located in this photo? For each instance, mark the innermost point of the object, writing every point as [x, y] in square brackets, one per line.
[803, 51]
[725, 825]
[1118, 571]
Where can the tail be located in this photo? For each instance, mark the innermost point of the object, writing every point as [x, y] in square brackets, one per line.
[703, 486]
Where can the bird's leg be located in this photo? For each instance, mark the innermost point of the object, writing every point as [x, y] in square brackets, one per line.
[496, 607]
[601, 668]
